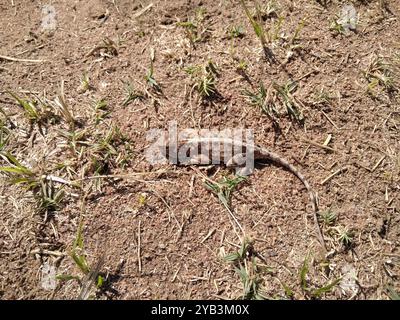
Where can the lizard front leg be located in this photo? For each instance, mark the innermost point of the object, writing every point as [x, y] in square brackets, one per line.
[238, 161]
[199, 159]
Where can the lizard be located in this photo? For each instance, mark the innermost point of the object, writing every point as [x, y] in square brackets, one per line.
[205, 152]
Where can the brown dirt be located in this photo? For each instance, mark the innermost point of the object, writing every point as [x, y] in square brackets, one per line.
[183, 228]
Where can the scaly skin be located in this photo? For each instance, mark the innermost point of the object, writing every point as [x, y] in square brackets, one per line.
[259, 154]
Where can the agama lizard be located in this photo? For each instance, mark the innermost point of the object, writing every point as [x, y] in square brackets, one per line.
[205, 152]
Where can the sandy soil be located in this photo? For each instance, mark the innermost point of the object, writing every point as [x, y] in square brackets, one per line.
[163, 234]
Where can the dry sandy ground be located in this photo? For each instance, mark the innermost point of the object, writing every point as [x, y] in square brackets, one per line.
[163, 234]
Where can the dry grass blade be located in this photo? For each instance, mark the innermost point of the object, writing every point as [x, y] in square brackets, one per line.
[21, 60]
[143, 11]
[91, 278]
[258, 28]
[339, 171]
[65, 111]
[223, 190]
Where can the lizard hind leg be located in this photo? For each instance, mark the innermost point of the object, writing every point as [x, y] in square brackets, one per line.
[244, 171]
[200, 159]
[238, 162]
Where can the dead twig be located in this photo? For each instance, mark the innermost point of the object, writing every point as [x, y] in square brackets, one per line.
[123, 176]
[333, 175]
[144, 10]
[330, 120]
[138, 250]
[316, 144]
[48, 252]
[377, 164]
[21, 60]
[209, 234]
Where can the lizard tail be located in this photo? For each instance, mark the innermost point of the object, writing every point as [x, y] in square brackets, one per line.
[285, 164]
